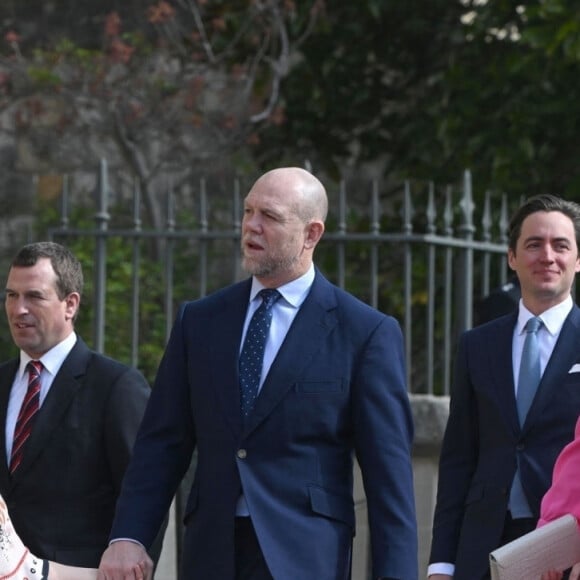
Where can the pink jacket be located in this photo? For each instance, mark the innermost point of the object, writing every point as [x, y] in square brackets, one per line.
[563, 497]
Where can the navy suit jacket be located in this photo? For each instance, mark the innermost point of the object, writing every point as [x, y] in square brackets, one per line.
[62, 497]
[483, 440]
[337, 386]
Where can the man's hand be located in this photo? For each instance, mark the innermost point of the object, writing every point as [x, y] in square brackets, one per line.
[125, 560]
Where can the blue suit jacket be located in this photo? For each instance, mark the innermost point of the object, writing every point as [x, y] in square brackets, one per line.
[483, 440]
[337, 386]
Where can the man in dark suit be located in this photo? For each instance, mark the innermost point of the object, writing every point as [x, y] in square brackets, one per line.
[500, 301]
[496, 461]
[272, 495]
[62, 482]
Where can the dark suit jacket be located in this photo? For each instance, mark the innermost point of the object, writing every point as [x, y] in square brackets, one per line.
[483, 439]
[62, 497]
[336, 386]
[500, 301]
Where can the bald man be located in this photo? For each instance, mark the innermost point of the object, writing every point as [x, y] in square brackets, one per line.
[276, 381]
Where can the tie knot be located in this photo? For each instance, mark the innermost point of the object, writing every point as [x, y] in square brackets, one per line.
[34, 367]
[533, 324]
[269, 296]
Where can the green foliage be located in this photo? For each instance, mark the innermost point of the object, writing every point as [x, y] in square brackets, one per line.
[44, 78]
[517, 118]
[357, 84]
[118, 304]
[430, 87]
[421, 88]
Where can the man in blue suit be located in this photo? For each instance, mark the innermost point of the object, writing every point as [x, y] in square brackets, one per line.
[272, 495]
[496, 461]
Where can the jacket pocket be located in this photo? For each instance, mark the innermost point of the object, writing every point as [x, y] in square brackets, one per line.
[331, 505]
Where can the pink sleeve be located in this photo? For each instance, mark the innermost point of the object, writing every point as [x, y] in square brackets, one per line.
[563, 497]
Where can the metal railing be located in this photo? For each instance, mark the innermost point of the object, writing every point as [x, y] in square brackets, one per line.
[424, 266]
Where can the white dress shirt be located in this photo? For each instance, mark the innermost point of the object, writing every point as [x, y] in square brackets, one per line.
[284, 311]
[51, 361]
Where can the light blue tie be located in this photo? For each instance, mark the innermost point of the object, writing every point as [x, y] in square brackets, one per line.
[528, 381]
[252, 355]
[530, 370]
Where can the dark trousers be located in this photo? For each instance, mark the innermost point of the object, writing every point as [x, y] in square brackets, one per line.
[513, 529]
[250, 562]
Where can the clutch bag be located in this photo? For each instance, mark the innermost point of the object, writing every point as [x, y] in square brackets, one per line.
[554, 546]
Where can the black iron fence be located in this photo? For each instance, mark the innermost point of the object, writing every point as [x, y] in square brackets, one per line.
[422, 253]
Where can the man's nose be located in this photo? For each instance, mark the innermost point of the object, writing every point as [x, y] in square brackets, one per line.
[19, 306]
[252, 223]
[548, 253]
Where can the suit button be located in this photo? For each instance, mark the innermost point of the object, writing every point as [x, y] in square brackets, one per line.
[520, 447]
[242, 453]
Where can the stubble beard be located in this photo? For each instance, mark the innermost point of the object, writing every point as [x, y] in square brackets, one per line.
[268, 267]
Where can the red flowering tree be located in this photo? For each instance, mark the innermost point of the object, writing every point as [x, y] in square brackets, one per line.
[189, 82]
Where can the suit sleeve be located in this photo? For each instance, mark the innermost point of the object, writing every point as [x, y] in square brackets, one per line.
[383, 433]
[163, 450]
[126, 406]
[457, 462]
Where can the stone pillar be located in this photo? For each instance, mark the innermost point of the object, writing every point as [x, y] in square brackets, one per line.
[430, 416]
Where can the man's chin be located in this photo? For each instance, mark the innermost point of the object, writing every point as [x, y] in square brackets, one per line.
[24, 345]
[551, 294]
[254, 269]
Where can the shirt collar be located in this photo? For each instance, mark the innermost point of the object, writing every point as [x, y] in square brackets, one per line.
[51, 360]
[293, 292]
[553, 318]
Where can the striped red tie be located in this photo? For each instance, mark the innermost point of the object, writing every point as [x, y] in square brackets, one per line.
[27, 414]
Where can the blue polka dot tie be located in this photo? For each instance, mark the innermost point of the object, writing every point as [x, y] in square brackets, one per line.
[252, 355]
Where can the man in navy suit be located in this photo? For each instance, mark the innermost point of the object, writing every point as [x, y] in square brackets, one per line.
[481, 502]
[272, 495]
[62, 493]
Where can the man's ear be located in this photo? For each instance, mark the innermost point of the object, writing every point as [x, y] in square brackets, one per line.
[72, 301]
[511, 258]
[314, 231]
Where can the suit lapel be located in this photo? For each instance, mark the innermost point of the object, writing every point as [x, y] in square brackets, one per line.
[225, 335]
[314, 321]
[563, 357]
[499, 343]
[62, 391]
